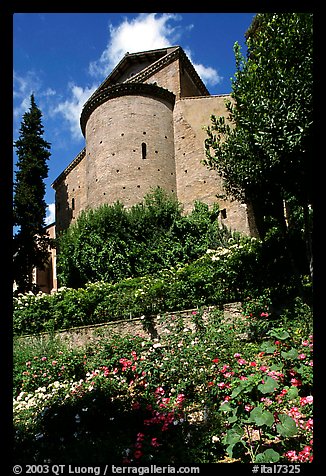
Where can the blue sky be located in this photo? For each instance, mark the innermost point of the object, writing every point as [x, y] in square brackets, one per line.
[63, 57]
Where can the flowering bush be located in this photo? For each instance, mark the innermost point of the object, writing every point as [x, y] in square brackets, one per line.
[212, 279]
[201, 393]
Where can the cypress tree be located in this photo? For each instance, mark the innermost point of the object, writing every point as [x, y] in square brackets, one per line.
[29, 207]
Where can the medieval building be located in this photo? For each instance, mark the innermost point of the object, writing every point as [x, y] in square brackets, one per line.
[143, 128]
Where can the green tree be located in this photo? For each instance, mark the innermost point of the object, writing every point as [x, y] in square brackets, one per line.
[264, 152]
[29, 207]
[112, 242]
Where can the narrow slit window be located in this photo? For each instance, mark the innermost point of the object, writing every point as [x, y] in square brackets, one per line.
[73, 204]
[143, 150]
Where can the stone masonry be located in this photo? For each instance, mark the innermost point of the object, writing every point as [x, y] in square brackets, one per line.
[143, 128]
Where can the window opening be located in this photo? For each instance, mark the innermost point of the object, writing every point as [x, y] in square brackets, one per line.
[223, 213]
[73, 204]
[143, 150]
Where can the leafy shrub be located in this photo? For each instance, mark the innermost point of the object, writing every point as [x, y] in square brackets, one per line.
[211, 279]
[112, 243]
[202, 393]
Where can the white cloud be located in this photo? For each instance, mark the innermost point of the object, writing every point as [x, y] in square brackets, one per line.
[24, 86]
[50, 214]
[147, 31]
[208, 74]
[144, 32]
[71, 108]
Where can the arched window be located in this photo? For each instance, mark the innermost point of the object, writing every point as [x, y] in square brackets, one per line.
[143, 150]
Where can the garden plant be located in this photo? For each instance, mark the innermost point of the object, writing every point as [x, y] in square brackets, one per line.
[201, 393]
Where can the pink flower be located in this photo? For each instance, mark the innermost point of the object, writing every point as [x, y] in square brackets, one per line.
[224, 368]
[253, 364]
[140, 436]
[159, 391]
[237, 355]
[301, 356]
[43, 359]
[180, 398]
[155, 443]
[54, 362]
[291, 455]
[138, 454]
[306, 400]
[296, 382]
[264, 314]
[242, 362]
[310, 424]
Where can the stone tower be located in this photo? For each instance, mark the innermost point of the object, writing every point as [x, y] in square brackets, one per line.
[143, 128]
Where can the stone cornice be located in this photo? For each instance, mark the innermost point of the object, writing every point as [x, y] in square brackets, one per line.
[123, 89]
[68, 169]
[164, 61]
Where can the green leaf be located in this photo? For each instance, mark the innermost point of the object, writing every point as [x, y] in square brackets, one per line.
[268, 456]
[269, 386]
[232, 437]
[293, 392]
[291, 354]
[268, 347]
[261, 417]
[243, 385]
[280, 333]
[225, 407]
[287, 427]
[233, 418]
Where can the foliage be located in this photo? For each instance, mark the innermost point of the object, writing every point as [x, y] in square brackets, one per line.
[215, 278]
[112, 243]
[203, 392]
[264, 152]
[29, 208]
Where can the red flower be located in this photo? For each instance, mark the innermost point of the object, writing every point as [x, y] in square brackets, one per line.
[215, 361]
[155, 443]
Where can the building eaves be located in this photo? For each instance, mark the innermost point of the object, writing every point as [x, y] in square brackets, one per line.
[71, 166]
[174, 53]
[127, 60]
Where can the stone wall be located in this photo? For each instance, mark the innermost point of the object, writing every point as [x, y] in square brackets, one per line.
[71, 193]
[80, 336]
[194, 180]
[129, 150]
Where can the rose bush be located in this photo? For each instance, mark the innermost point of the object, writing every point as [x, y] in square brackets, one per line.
[203, 392]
